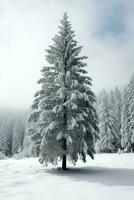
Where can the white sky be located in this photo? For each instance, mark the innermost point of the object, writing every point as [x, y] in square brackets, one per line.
[104, 27]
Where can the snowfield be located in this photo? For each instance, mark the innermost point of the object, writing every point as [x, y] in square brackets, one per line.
[108, 177]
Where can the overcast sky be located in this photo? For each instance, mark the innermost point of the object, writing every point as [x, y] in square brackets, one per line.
[104, 27]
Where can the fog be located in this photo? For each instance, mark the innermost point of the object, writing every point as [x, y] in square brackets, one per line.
[104, 28]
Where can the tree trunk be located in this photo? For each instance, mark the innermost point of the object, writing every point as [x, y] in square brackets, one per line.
[132, 148]
[64, 157]
[64, 165]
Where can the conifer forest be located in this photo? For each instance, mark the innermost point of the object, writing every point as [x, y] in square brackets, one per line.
[66, 124]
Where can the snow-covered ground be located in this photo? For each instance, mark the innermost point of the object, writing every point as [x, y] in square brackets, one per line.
[108, 177]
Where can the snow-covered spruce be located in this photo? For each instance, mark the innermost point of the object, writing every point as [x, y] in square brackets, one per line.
[127, 128]
[66, 120]
[109, 126]
[115, 103]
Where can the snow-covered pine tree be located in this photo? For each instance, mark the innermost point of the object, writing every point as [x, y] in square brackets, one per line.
[107, 124]
[104, 143]
[67, 121]
[125, 121]
[131, 110]
[118, 105]
[127, 128]
[115, 111]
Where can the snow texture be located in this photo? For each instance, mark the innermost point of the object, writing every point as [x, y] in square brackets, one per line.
[108, 177]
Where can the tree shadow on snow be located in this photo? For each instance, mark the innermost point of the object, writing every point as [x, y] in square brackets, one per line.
[103, 175]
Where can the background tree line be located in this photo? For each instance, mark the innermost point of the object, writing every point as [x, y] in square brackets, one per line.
[115, 110]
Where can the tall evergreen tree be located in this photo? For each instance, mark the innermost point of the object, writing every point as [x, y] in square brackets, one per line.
[67, 120]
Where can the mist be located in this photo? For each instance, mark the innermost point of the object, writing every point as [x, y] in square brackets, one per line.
[104, 28]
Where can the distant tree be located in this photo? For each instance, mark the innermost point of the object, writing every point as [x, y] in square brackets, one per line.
[18, 135]
[12, 128]
[6, 135]
[127, 128]
[118, 105]
[3, 139]
[107, 124]
[67, 122]
[115, 110]
[27, 148]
